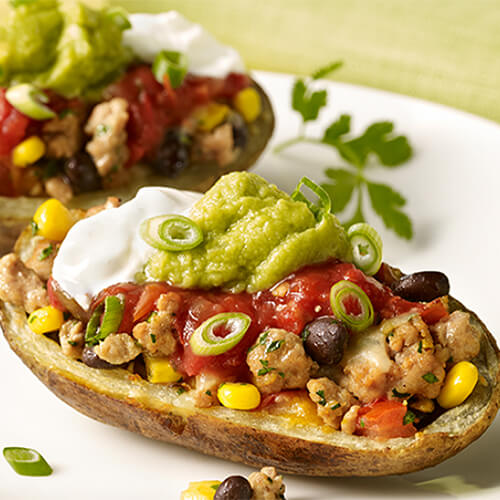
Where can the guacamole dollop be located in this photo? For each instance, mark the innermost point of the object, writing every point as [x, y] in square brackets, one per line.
[64, 46]
[254, 235]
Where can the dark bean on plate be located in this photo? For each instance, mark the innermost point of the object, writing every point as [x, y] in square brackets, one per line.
[173, 154]
[325, 340]
[234, 488]
[240, 130]
[90, 358]
[81, 173]
[422, 286]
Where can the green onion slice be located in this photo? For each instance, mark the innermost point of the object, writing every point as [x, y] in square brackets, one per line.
[171, 232]
[30, 101]
[171, 63]
[204, 342]
[324, 202]
[119, 17]
[346, 296]
[366, 247]
[27, 462]
[98, 330]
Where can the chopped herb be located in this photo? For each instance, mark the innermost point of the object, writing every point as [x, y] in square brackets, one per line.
[305, 333]
[420, 347]
[101, 129]
[151, 316]
[390, 334]
[334, 407]
[34, 227]
[153, 338]
[430, 378]
[269, 479]
[46, 252]
[322, 401]
[409, 417]
[208, 393]
[362, 423]
[275, 345]
[32, 318]
[397, 394]
[215, 486]
[180, 391]
[263, 338]
[65, 112]
[66, 315]
[265, 367]
[72, 343]
[281, 374]
[450, 359]
[377, 141]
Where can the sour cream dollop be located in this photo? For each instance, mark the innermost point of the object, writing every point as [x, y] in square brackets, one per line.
[107, 249]
[151, 33]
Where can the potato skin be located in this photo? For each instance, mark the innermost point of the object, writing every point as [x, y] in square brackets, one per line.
[256, 445]
[17, 212]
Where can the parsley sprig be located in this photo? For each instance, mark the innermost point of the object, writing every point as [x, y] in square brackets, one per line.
[378, 144]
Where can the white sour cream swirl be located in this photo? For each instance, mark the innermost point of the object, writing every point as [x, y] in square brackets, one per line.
[151, 33]
[107, 249]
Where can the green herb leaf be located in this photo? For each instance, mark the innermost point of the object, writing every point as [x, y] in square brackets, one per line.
[409, 418]
[341, 190]
[308, 104]
[34, 227]
[153, 338]
[180, 391]
[275, 345]
[386, 202]
[322, 400]
[334, 407]
[46, 252]
[265, 367]
[362, 423]
[430, 378]
[338, 128]
[326, 70]
[208, 393]
[419, 347]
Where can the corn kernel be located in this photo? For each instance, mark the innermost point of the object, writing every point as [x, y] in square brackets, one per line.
[210, 116]
[28, 152]
[53, 220]
[239, 396]
[46, 319]
[161, 371]
[458, 385]
[200, 490]
[248, 103]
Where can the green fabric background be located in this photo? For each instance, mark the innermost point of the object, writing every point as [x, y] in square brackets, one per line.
[442, 50]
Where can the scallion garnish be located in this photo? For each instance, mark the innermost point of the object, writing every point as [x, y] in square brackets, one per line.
[204, 342]
[119, 17]
[366, 247]
[27, 462]
[30, 101]
[112, 314]
[324, 202]
[173, 233]
[172, 64]
[351, 305]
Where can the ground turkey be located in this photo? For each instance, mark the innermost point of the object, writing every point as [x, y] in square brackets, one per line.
[118, 348]
[267, 485]
[331, 400]
[42, 258]
[278, 361]
[72, 338]
[21, 286]
[63, 135]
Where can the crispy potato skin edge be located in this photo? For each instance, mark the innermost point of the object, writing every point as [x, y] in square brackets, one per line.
[255, 447]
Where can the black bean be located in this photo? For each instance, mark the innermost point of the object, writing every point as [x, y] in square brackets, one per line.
[234, 488]
[173, 154]
[90, 358]
[325, 340]
[81, 173]
[240, 130]
[422, 287]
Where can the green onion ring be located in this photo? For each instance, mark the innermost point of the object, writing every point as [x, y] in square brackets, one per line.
[366, 247]
[203, 341]
[344, 290]
[113, 307]
[171, 63]
[171, 232]
[325, 202]
[27, 462]
[30, 101]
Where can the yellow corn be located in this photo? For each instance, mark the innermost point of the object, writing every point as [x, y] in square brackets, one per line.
[161, 371]
[200, 490]
[46, 319]
[248, 103]
[239, 396]
[28, 151]
[53, 220]
[210, 116]
[459, 383]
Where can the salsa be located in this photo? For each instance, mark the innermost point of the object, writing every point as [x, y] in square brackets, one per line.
[290, 304]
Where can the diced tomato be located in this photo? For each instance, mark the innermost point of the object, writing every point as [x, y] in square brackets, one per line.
[147, 300]
[384, 420]
[13, 125]
[435, 311]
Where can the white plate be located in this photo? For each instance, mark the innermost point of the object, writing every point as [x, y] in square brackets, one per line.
[451, 185]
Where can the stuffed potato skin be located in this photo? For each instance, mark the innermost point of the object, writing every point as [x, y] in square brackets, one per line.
[15, 213]
[160, 413]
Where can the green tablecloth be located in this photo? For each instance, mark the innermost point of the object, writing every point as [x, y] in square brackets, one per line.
[443, 50]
